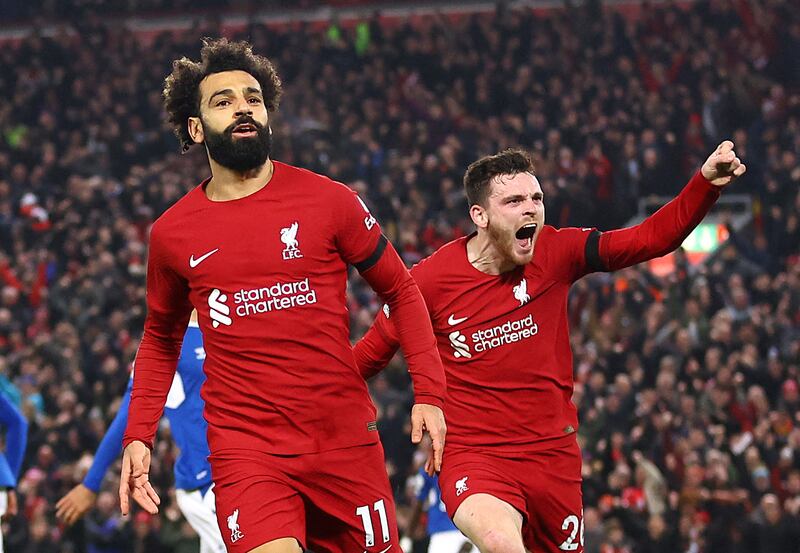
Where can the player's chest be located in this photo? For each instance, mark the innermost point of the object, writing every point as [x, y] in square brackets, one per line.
[496, 316]
[247, 247]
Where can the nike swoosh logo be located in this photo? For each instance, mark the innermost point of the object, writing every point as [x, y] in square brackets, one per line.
[195, 262]
[452, 321]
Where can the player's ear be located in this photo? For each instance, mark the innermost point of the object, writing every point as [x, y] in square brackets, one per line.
[478, 215]
[196, 130]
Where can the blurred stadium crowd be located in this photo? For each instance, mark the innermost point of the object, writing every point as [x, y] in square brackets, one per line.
[687, 384]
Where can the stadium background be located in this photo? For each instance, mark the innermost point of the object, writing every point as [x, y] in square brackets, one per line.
[686, 374]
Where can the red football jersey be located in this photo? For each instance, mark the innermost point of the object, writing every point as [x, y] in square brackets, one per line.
[504, 339]
[267, 274]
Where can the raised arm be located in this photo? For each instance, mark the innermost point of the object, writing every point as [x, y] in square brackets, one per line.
[665, 230]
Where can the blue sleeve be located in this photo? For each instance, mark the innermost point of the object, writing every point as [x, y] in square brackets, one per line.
[427, 485]
[111, 445]
[16, 435]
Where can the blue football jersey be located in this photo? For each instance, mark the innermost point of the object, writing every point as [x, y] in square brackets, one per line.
[184, 411]
[16, 437]
[428, 492]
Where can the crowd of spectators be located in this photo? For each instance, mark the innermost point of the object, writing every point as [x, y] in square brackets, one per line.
[687, 384]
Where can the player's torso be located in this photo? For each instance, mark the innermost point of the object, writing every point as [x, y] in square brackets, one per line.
[499, 332]
[504, 344]
[262, 270]
[267, 278]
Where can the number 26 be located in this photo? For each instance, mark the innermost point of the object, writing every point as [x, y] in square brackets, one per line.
[574, 526]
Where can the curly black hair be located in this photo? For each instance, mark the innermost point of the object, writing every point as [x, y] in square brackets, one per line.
[480, 173]
[182, 86]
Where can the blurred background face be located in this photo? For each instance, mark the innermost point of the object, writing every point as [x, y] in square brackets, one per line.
[772, 508]
[235, 120]
[515, 213]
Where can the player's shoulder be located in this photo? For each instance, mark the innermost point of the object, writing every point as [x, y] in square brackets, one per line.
[181, 211]
[312, 182]
[552, 237]
[449, 258]
[560, 252]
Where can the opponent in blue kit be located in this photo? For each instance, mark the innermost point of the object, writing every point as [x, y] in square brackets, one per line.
[444, 536]
[184, 411]
[16, 438]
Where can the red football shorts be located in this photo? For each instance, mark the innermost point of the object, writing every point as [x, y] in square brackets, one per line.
[333, 501]
[544, 486]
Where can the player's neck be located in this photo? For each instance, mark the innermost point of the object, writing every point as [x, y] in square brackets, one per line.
[484, 256]
[227, 184]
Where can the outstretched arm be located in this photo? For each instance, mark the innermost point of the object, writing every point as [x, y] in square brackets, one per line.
[667, 228]
[80, 499]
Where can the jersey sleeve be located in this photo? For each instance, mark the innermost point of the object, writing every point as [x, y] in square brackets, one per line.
[393, 283]
[168, 310]
[566, 252]
[357, 233]
[378, 345]
[110, 446]
[659, 234]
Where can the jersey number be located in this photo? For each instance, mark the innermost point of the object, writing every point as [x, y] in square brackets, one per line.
[366, 519]
[574, 526]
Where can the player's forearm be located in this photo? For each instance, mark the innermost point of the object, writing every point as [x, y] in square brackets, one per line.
[154, 370]
[663, 231]
[168, 311]
[392, 281]
[109, 448]
[373, 352]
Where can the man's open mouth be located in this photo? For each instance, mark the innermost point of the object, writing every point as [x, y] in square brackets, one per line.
[525, 234]
[245, 129]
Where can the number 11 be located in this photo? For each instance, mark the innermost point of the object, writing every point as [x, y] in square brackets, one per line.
[366, 520]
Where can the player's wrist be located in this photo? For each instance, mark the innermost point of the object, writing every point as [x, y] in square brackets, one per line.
[427, 399]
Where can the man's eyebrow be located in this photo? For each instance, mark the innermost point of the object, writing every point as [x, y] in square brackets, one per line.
[227, 91]
[224, 92]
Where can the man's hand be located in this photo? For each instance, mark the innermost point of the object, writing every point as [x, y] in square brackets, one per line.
[723, 167]
[75, 504]
[428, 417]
[135, 479]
